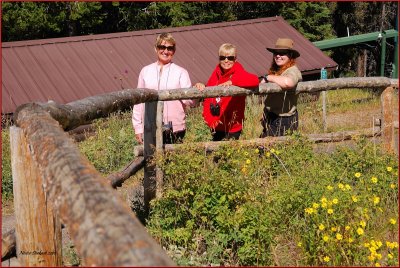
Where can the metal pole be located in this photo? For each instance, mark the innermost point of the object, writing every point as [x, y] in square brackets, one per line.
[383, 53]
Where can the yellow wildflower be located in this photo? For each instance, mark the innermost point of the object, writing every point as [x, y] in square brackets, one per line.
[389, 169]
[315, 205]
[309, 210]
[354, 198]
[374, 179]
[377, 264]
[366, 245]
[248, 161]
[392, 185]
[324, 200]
[392, 221]
[299, 244]
[335, 201]
[347, 228]
[360, 231]
[256, 150]
[363, 224]
[357, 175]
[321, 227]
[340, 185]
[272, 150]
[348, 187]
[333, 229]
[325, 238]
[351, 240]
[339, 236]
[267, 154]
[330, 211]
[376, 200]
[390, 255]
[329, 188]
[327, 259]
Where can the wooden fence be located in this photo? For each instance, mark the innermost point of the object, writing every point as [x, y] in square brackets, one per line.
[54, 183]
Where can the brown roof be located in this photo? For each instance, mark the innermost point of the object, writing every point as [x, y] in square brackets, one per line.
[72, 68]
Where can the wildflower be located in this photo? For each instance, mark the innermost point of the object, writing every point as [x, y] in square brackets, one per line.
[392, 221]
[315, 205]
[376, 200]
[272, 150]
[330, 211]
[335, 201]
[327, 259]
[360, 231]
[374, 179]
[351, 240]
[309, 210]
[325, 238]
[321, 227]
[390, 255]
[324, 200]
[244, 169]
[347, 228]
[366, 245]
[277, 152]
[389, 169]
[357, 175]
[267, 154]
[339, 236]
[341, 186]
[392, 185]
[333, 229]
[248, 161]
[299, 244]
[257, 151]
[377, 264]
[354, 198]
[329, 188]
[348, 187]
[363, 224]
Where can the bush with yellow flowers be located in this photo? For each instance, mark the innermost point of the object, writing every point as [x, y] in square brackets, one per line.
[284, 204]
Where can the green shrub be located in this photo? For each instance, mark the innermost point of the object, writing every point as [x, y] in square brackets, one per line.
[238, 204]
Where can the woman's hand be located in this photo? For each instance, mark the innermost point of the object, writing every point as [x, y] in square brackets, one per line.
[226, 84]
[139, 138]
[199, 86]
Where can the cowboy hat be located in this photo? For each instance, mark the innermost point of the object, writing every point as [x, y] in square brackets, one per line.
[284, 45]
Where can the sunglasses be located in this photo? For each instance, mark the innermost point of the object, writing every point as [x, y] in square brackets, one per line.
[283, 53]
[169, 48]
[231, 58]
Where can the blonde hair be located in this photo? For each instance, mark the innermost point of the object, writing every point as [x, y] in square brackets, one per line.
[227, 49]
[165, 37]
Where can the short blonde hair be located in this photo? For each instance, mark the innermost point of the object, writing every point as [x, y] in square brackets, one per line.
[165, 37]
[227, 49]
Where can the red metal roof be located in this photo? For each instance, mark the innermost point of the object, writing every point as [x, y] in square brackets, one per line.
[72, 68]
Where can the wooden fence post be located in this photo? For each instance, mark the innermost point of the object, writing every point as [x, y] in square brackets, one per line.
[149, 146]
[38, 230]
[159, 146]
[387, 124]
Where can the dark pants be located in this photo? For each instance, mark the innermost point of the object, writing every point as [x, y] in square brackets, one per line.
[275, 125]
[220, 135]
[170, 137]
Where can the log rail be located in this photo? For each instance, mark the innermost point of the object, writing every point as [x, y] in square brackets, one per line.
[102, 227]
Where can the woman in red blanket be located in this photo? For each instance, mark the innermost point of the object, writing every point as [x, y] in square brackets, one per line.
[225, 115]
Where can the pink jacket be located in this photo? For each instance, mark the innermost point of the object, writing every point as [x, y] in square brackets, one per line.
[172, 76]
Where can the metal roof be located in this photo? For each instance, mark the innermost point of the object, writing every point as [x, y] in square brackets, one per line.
[72, 68]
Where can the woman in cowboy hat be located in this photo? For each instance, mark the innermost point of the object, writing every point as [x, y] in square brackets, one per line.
[280, 110]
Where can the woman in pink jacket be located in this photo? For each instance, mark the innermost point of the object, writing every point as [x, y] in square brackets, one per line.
[161, 75]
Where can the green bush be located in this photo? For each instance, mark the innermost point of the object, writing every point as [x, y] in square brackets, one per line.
[238, 204]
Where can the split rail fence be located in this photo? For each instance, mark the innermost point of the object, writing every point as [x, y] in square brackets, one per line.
[55, 184]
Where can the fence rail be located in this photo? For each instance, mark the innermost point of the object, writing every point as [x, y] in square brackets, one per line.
[67, 188]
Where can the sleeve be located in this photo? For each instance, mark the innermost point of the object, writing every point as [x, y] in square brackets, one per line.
[244, 79]
[293, 74]
[138, 109]
[210, 120]
[185, 82]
